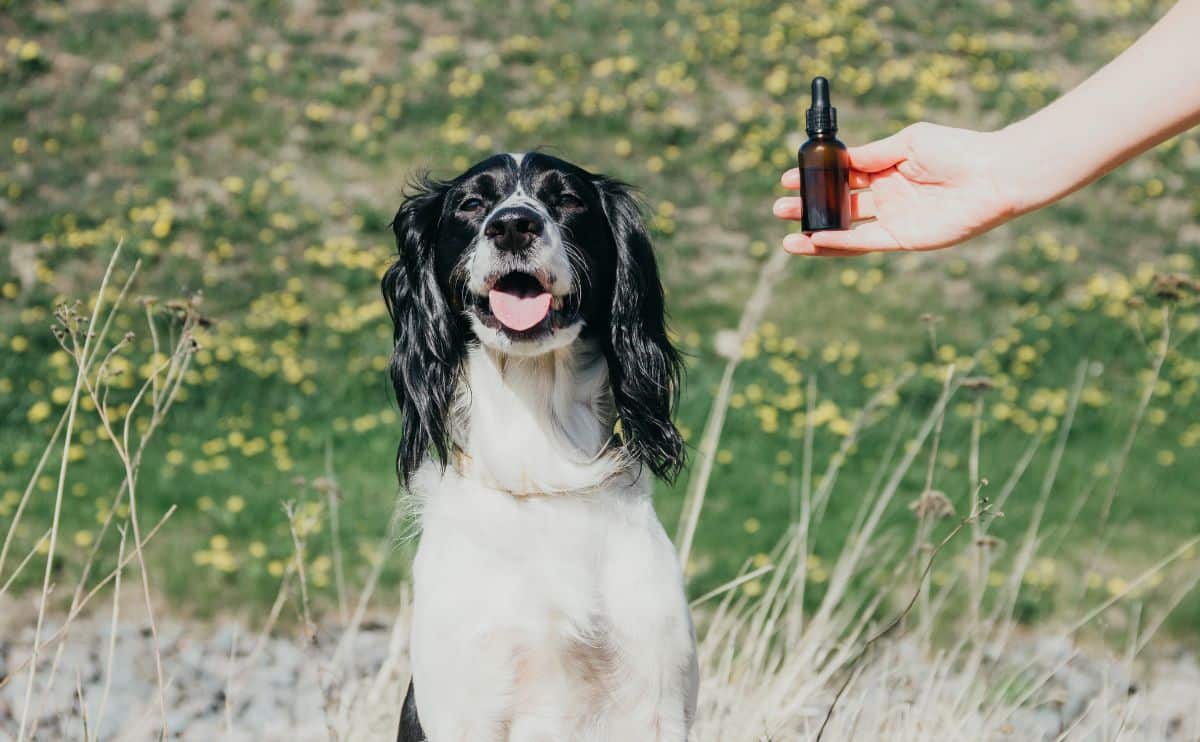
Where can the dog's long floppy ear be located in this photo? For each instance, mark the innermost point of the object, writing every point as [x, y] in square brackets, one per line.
[429, 343]
[644, 367]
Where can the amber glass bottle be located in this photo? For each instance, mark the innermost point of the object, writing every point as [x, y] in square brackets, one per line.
[824, 166]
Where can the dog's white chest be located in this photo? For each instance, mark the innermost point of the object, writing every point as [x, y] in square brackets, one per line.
[557, 617]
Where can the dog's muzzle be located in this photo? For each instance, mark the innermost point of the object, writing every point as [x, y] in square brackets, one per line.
[514, 229]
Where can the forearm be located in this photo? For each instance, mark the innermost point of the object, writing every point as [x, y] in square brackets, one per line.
[1146, 95]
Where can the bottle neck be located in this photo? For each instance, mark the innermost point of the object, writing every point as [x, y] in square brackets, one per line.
[823, 135]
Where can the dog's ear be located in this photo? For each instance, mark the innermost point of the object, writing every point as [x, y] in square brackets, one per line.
[429, 343]
[644, 367]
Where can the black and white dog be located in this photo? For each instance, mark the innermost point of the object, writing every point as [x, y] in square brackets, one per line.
[536, 380]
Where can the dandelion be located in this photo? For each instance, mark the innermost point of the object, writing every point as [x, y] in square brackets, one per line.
[38, 412]
[318, 112]
[1116, 585]
[29, 51]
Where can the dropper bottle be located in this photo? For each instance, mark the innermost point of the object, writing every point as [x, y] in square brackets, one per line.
[824, 166]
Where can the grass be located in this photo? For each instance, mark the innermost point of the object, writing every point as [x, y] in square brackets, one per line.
[792, 648]
[253, 156]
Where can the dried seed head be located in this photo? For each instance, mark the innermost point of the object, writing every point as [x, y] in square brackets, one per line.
[933, 503]
[987, 542]
[979, 383]
[324, 485]
[1172, 286]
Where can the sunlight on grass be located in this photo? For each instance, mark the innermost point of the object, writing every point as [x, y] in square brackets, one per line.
[791, 647]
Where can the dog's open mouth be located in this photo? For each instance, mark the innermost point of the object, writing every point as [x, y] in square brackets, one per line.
[521, 304]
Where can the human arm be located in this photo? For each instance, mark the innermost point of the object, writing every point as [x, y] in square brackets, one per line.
[928, 186]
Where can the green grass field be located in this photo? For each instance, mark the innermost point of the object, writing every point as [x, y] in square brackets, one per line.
[255, 152]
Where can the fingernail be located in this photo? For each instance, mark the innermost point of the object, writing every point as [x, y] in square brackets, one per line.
[777, 207]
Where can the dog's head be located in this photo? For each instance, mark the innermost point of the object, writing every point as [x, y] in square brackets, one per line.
[527, 254]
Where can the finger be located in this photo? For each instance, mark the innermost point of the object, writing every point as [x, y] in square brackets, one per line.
[788, 207]
[858, 179]
[883, 153]
[827, 252]
[798, 243]
[865, 237]
[862, 206]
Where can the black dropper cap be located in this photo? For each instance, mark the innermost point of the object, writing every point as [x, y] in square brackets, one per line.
[822, 117]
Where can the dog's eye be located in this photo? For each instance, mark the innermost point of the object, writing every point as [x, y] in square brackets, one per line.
[471, 204]
[569, 201]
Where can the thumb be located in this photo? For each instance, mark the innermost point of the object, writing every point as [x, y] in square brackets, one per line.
[882, 153]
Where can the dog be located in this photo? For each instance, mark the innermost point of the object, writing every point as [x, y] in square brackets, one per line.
[536, 380]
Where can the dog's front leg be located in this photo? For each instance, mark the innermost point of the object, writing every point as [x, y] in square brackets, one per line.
[463, 683]
[463, 656]
[652, 627]
[657, 700]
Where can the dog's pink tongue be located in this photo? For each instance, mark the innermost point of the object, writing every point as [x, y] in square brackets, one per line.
[519, 312]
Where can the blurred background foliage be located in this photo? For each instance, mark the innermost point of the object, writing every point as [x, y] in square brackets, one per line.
[254, 153]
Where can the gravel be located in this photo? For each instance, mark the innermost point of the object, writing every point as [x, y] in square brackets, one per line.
[223, 684]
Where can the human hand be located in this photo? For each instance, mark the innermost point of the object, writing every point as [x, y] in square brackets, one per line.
[923, 188]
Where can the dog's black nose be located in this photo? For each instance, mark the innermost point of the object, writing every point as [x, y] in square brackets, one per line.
[513, 228]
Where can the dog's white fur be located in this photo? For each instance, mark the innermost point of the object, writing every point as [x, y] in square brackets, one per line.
[549, 602]
[546, 617]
